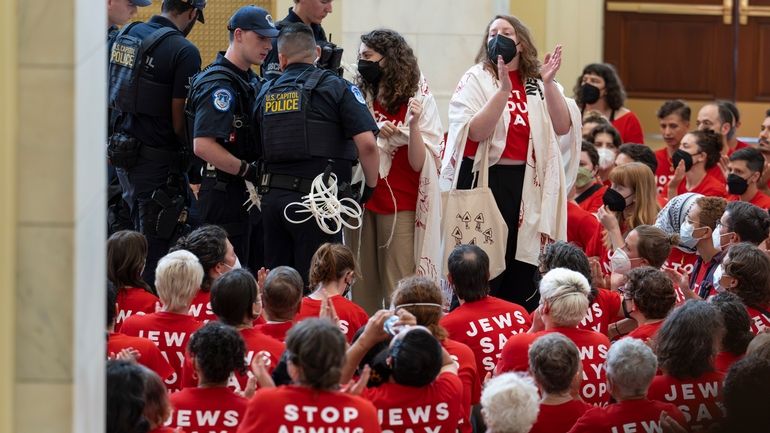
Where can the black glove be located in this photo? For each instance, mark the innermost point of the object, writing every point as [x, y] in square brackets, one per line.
[250, 171]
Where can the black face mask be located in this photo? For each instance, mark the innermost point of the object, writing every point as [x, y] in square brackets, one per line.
[501, 46]
[590, 93]
[681, 155]
[736, 184]
[626, 314]
[614, 200]
[370, 71]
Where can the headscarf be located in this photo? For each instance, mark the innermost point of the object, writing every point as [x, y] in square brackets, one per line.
[671, 217]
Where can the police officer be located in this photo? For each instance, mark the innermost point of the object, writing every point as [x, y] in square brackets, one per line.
[310, 12]
[307, 118]
[222, 101]
[119, 12]
[151, 66]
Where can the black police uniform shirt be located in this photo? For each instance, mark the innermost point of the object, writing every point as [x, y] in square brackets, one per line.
[216, 103]
[336, 100]
[270, 67]
[174, 61]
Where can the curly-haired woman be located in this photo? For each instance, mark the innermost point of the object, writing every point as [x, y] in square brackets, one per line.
[399, 235]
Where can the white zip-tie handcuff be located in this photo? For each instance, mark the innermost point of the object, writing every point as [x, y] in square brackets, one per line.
[323, 205]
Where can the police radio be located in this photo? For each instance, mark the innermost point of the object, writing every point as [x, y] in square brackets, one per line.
[331, 57]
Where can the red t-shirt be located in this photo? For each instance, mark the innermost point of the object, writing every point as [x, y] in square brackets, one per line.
[559, 418]
[297, 409]
[759, 321]
[627, 416]
[645, 332]
[484, 326]
[133, 300]
[149, 354]
[709, 186]
[738, 145]
[593, 202]
[163, 429]
[351, 315]
[276, 330]
[517, 140]
[468, 374]
[725, 360]
[760, 199]
[403, 181]
[170, 332]
[407, 409]
[593, 348]
[202, 410]
[602, 312]
[699, 399]
[629, 128]
[680, 260]
[665, 171]
[200, 308]
[581, 225]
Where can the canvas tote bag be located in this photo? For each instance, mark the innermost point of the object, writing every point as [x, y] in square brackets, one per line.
[471, 216]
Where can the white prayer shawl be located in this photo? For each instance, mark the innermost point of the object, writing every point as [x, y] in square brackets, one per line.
[427, 225]
[552, 161]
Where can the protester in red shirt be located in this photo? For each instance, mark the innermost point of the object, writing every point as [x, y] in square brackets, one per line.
[672, 219]
[236, 302]
[509, 403]
[554, 363]
[631, 366]
[126, 255]
[674, 119]
[648, 297]
[316, 351]
[698, 153]
[281, 298]
[422, 297]
[745, 170]
[581, 225]
[332, 272]
[124, 397]
[563, 304]
[482, 322]
[718, 116]
[607, 142]
[147, 353]
[216, 351]
[746, 272]
[589, 189]
[157, 406]
[738, 333]
[177, 279]
[686, 346]
[210, 244]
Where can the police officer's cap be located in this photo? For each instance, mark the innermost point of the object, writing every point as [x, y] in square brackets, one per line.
[197, 4]
[255, 19]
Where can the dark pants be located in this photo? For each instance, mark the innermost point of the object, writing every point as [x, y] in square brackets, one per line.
[516, 284]
[288, 244]
[221, 203]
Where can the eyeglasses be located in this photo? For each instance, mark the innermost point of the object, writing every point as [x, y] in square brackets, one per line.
[624, 292]
[719, 224]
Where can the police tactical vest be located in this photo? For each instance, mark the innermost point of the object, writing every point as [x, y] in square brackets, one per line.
[287, 132]
[132, 89]
[243, 146]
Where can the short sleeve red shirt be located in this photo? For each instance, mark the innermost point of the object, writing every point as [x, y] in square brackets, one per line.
[665, 171]
[276, 330]
[559, 418]
[760, 199]
[709, 186]
[517, 140]
[149, 354]
[593, 202]
[403, 409]
[699, 399]
[484, 326]
[602, 312]
[680, 260]
[133, 300]
[645, 332]
[294, 408]
[630, 128]
[200, 308]
[469, 377]
[725, 360]
[627, 416]
[207, 409]
[170, 332]
[759, 321]
[401, 180]
[581, 225]
[351, 315]
[738, 145]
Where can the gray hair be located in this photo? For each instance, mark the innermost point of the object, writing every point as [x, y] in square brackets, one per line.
[566, 292]
[510, 403]
[178, 277]
[631, 365]
[554, 361]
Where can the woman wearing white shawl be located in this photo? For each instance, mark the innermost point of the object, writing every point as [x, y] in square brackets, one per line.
[533, 135]
[400, 234]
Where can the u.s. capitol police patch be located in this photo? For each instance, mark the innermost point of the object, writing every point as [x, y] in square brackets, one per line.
[222, 98]
[357, 93]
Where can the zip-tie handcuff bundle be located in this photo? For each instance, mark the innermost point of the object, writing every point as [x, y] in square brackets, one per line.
[323, 205]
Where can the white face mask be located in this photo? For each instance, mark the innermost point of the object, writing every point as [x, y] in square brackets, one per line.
[716, 239]
[236, 265]
[619, 262]
[716, 277]
[686, 234]
[606, 158]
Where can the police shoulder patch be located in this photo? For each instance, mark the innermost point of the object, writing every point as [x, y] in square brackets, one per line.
[357, 93]
[222, 99]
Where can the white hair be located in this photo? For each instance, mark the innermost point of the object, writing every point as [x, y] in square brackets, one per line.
[510, 403]
[566, 292]
[178, 278]
[631, 365]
